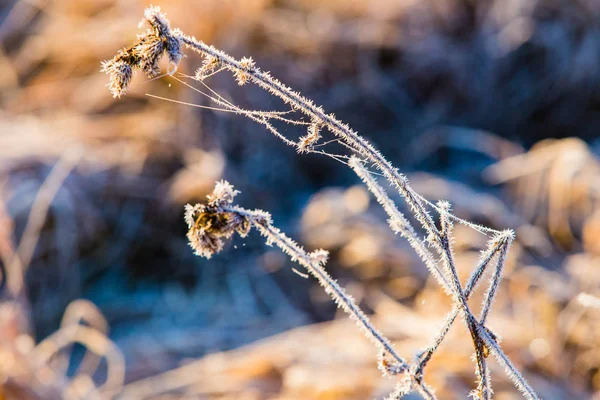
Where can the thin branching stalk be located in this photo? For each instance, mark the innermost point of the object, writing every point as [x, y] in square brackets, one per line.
[398, 222]
[513, 373]
[495, 281]
[487, 256]
[210, 224]
[313, 262]
[483, 391]
[218, 220]
[246, 71]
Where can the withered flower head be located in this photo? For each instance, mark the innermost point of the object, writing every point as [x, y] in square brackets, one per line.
[150, 49]
[242, 75]
[120, 74]
[209, 225]
[307, 142]
[145, 53]
[209, 66]
[223, 194]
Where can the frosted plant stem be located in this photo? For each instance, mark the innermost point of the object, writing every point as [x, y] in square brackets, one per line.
[483, 390]
[210, 224]
[313, 264]
[317, 114]
[426, 392]
[398, 222]
[495, 281]
[518, 380]
[487, 256]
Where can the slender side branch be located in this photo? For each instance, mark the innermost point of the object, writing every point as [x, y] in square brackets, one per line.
[219, 219]
[487, 256]
[495, 281]
[517, 378]
[484, 390]
[209, 224]
[398, 223]
[313, 262]
[165, 40]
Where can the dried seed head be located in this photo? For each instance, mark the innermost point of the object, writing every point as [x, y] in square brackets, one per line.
[242, 75]
[210, 224]
[149, 48]
[248, 64]
[307, 142]
[173, 46]
[222, 195]
[120, 74]
[191, 211]
[209, 66]
[203, 241]
[156, 19]
[209, 227]
[158, 40]
[145, 53]
[319, 256]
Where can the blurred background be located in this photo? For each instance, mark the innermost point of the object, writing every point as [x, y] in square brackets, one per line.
[492, 105]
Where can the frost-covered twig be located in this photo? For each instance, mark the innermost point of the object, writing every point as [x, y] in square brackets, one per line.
[398, 222]
[513, 373]
[483, 391]
[486, 258]
[495, 281]
[145, 57]
[211, 224]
